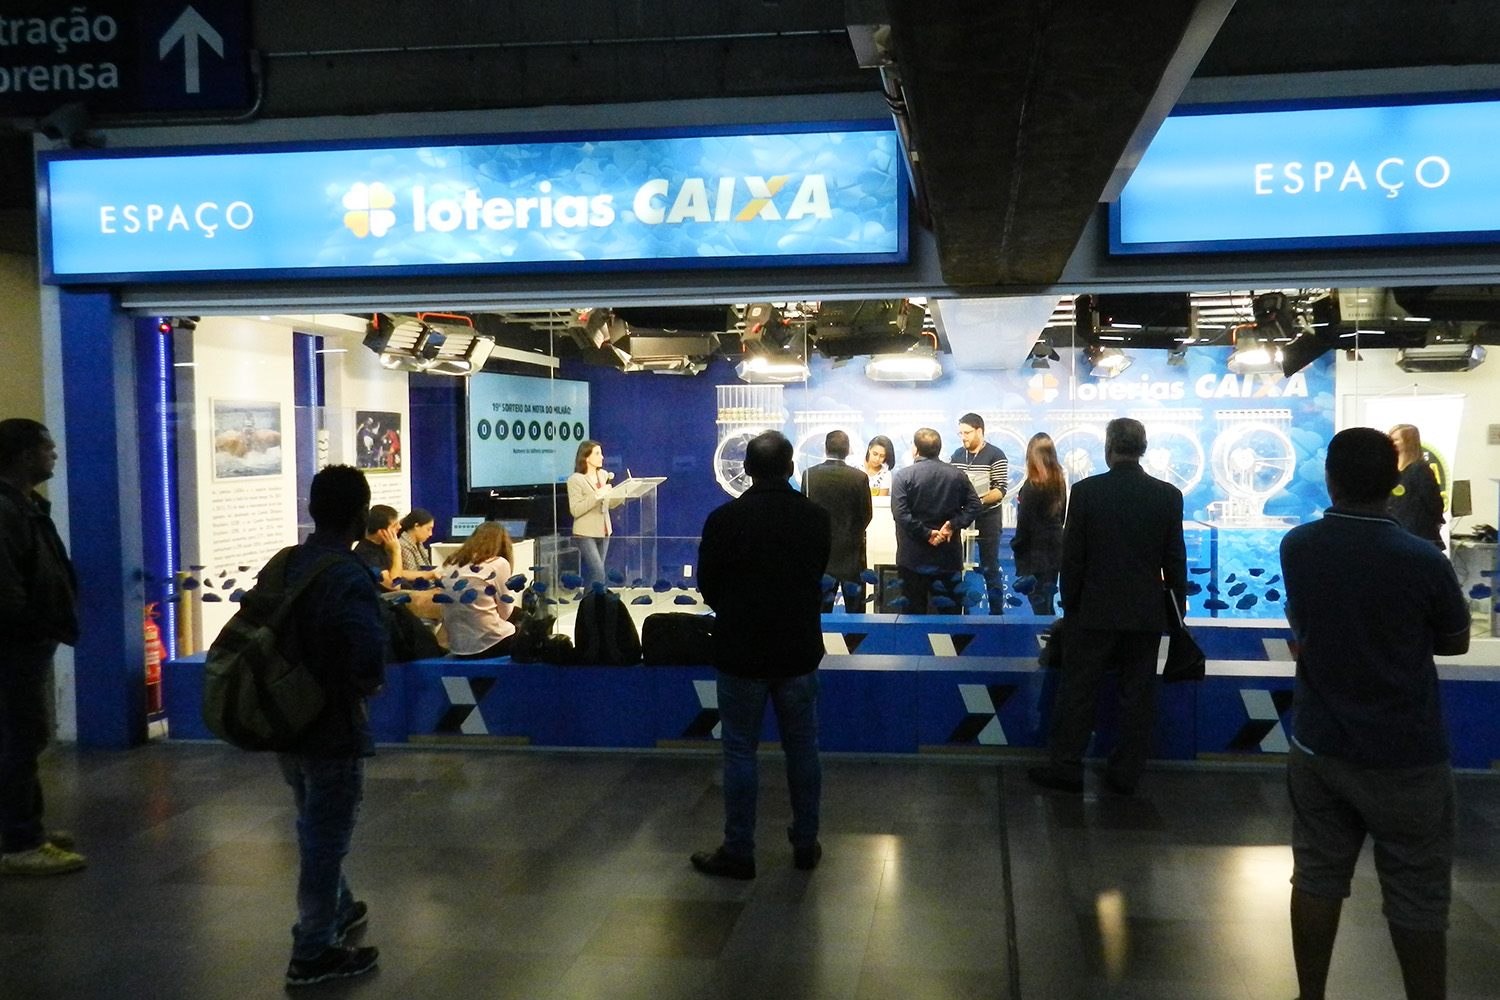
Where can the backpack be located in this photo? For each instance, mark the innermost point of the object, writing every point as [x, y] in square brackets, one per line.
[257, 692]
[533, 619]
[604, 633]
[677, 639]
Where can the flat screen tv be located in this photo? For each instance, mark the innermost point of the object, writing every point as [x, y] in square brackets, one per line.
[524, 431]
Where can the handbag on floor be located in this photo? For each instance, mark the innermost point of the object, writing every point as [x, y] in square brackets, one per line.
[1185, 660]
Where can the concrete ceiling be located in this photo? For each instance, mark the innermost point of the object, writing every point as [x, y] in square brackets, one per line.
[1019, 111]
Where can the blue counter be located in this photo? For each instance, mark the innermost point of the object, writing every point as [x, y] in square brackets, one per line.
[941, 684]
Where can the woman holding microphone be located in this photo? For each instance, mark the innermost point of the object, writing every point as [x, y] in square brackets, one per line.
[588, 501]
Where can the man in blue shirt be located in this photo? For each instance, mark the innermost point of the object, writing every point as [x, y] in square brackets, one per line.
[1370, 605]
[931, 503]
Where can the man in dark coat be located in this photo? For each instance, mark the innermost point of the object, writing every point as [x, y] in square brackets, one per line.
[844, 492]
[760, 567]
[38, 593]
[1122, 544]
[931, 503]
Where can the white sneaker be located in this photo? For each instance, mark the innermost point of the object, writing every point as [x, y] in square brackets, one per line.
[48, 859]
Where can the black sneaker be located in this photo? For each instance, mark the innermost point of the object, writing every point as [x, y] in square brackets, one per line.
[727, 865]
[335, 963]
[357, 917]
[807, 858]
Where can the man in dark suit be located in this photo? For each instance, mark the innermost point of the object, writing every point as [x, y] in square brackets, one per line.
[760, 567]
[931, 503]
[1121, 545]
[844, 492]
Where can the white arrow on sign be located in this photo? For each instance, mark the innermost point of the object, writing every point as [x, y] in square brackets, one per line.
[190, 29]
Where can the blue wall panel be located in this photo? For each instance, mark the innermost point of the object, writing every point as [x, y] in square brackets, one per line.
[102, 454]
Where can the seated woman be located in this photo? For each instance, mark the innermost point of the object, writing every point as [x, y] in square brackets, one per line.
[478, 627]
[416, 529]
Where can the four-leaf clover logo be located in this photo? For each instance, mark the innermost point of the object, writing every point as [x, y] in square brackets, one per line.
[369, 209]
[1041, 388]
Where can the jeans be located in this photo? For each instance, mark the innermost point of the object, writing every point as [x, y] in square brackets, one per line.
[328, 791]
[593, 551]
[989, 526]
[25, 726]
[742, 707]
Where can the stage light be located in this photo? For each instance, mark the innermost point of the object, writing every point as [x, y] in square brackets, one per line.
[1253, 354]
[920, 364]
[760, 368]
[1104, 362]
[1042, 355]
[1441, 357]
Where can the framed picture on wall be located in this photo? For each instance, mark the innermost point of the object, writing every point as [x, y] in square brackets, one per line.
[377, 441]
[247, 439]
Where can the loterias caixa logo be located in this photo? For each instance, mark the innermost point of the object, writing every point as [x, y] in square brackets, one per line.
[370, 209]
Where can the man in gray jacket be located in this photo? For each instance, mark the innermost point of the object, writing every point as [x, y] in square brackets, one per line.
[38, 593]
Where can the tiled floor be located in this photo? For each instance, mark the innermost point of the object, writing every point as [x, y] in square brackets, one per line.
[534, 875]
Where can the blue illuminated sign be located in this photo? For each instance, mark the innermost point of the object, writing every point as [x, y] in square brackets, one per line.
[830, 194]
[1326, 177]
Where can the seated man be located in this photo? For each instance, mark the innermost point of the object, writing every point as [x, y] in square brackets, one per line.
[380, 549]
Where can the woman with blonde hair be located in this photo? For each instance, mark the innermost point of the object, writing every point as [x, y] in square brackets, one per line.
[1416, 502]
[1041, 506]
[477, 620]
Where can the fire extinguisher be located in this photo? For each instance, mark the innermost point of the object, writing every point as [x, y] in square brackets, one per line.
[155, 653]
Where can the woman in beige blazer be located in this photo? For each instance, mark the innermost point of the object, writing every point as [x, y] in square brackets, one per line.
[588, 500]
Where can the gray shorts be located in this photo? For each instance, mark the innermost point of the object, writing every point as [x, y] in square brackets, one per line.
[1410, 814]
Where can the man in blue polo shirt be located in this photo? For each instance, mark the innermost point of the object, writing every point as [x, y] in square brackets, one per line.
[1370, 605]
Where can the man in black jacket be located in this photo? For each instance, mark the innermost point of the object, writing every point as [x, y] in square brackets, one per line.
[1122, 544]
[844, 492]
[38, 594]
[340, 634]
[760, 567]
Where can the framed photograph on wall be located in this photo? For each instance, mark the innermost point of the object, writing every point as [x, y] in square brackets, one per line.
[377, 441]
[247, 439]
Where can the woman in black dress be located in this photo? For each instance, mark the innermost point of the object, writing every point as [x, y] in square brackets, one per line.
[1416, 502]
[1040, 508]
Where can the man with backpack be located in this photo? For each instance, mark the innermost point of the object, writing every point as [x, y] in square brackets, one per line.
[760, 567]
[335, 627]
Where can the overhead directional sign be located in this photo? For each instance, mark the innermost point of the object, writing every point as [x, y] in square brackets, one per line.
[124, 55]
[725, 197]
[1387, 175]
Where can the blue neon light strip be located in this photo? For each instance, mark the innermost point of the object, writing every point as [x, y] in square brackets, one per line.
[827, 194]
[1323, 177]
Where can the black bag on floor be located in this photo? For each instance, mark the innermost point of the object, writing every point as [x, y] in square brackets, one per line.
[604, 633]
[677, 639]
[410, 638]
[533, 619]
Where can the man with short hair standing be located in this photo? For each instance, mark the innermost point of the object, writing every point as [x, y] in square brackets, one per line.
[339, 632]
[844, 492]
[1370, 752]
[1122, 545]
[38, 596]
[931, 503]
[989, 471]
[760, 567]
